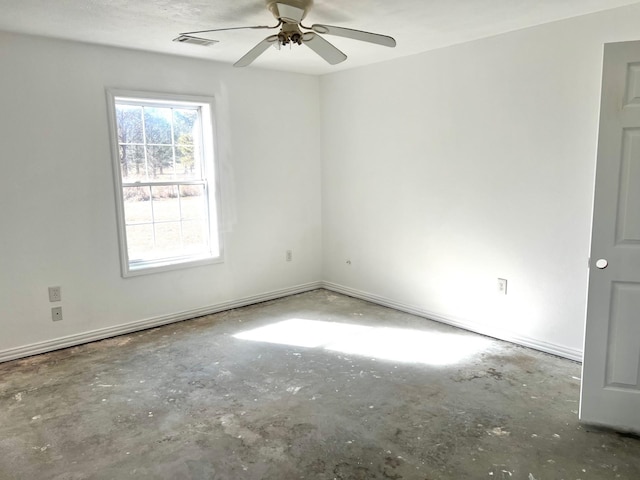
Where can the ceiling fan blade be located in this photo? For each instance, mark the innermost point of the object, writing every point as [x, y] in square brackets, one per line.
[256, 51]
[354, 34]
[256, 27]
[323, 48]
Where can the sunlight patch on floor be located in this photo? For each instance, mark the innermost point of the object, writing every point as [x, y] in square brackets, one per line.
[384, 343]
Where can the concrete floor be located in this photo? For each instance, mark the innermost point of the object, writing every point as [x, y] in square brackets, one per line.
[358, 401]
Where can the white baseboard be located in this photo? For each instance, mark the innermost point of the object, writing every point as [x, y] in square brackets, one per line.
[102, 333]
[559, 350]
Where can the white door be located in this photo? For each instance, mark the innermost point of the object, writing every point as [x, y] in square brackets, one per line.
[611, 370]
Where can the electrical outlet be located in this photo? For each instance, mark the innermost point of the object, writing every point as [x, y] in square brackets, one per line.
[289, 255]
[502, 286]
[55, 295]
[56, 314]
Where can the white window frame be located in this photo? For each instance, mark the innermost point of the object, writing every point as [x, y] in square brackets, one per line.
[210, 180]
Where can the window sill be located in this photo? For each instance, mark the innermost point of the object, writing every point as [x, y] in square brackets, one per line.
[159, 266]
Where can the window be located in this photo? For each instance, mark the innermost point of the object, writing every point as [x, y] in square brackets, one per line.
[164, 173]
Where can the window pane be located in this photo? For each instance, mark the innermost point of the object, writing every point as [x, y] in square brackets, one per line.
[139, 241]
[184, 123]
[166, 204]
[129, 120]
[157, 124]
[160, 162]
[132, 163]
[193, 202]
[195, 236]
[168, 239]
[187, 162]
[137, 205]
[186, 127]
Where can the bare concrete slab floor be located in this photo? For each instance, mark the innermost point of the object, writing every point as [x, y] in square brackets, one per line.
[313, 386]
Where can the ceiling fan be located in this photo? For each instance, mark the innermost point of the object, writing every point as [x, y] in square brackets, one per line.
[289, 14]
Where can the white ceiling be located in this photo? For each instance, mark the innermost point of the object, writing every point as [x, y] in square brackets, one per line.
[417, 25]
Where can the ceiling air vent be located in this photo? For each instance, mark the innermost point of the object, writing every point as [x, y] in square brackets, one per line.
[203, 42]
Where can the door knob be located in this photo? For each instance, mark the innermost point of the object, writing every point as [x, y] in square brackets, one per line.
[602, 263]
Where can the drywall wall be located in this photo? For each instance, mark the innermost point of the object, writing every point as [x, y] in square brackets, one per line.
[444, 171]
[441, 172]
[58, 209]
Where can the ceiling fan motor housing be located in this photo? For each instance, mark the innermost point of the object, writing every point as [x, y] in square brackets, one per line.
[289, 11]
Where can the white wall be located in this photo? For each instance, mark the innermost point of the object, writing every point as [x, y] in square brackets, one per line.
[57, 198]
[447, 170]
[440, 172]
